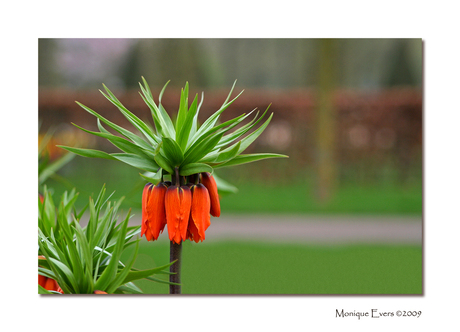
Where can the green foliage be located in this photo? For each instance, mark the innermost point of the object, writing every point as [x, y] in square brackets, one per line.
[182, 143]
[85, 259]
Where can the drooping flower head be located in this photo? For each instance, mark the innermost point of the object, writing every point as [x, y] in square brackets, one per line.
[182, 148]
[184, 209]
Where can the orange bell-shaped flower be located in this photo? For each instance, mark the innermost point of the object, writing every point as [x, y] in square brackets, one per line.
[153, 210]
[178, 202]
[210, 183]
[199, 215]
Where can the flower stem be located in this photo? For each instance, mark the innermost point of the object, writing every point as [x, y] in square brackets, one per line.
[175, 254]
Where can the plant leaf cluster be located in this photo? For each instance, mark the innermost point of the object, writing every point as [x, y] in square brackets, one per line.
[85, 259]
[181, 143]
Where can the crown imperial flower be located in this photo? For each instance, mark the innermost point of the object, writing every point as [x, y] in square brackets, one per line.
[184, 150]
[184, 209]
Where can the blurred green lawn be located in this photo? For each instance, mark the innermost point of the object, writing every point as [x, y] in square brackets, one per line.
[268, 268]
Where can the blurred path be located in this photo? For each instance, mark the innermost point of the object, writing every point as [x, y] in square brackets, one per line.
[311, 229]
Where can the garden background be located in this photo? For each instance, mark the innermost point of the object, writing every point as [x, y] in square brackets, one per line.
[342, 215]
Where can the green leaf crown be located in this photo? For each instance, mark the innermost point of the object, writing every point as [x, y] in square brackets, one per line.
[183, 143]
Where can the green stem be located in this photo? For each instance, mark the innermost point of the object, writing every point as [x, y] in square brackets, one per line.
[175, 253]
[176, 181]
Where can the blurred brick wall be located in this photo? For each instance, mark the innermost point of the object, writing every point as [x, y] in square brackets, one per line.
[373, 128]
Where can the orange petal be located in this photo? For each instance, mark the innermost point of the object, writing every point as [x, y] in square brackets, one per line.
[51, 284]
[192, 232]
[145, 197]
[172, 203]
[208, 181]
[185, 206]
[178, 201]
[148, 234]
[156, 210]
[201, 204]
[41, 280]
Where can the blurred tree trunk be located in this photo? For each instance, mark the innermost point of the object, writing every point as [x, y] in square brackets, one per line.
[326, 118]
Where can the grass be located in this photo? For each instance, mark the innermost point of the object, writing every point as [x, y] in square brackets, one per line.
[267, 268]
[348, 199]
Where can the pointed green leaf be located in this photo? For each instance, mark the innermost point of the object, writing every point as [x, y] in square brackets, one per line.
[129, 288]
[183, 108]
[230, 93]
[135, 121]
[194, 168]
[136, 275]
[136, 139]
[162, 91]
[164, 163]
[211, 121]
[199, 150]
[100, 233]
[111, 269]
[245, 142]
[228, 154]
[224, 186]
[172, 151]
[227, 139]
[152, 177]
[87, 152]
[53, 167]
[137, 161]
[161, 118]
[121, 276]
[65, 271]
[195, 118]
[121, 143]
[248, 158]
[186, 125]
[84, 246]
[41, 290]
[223, 127]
